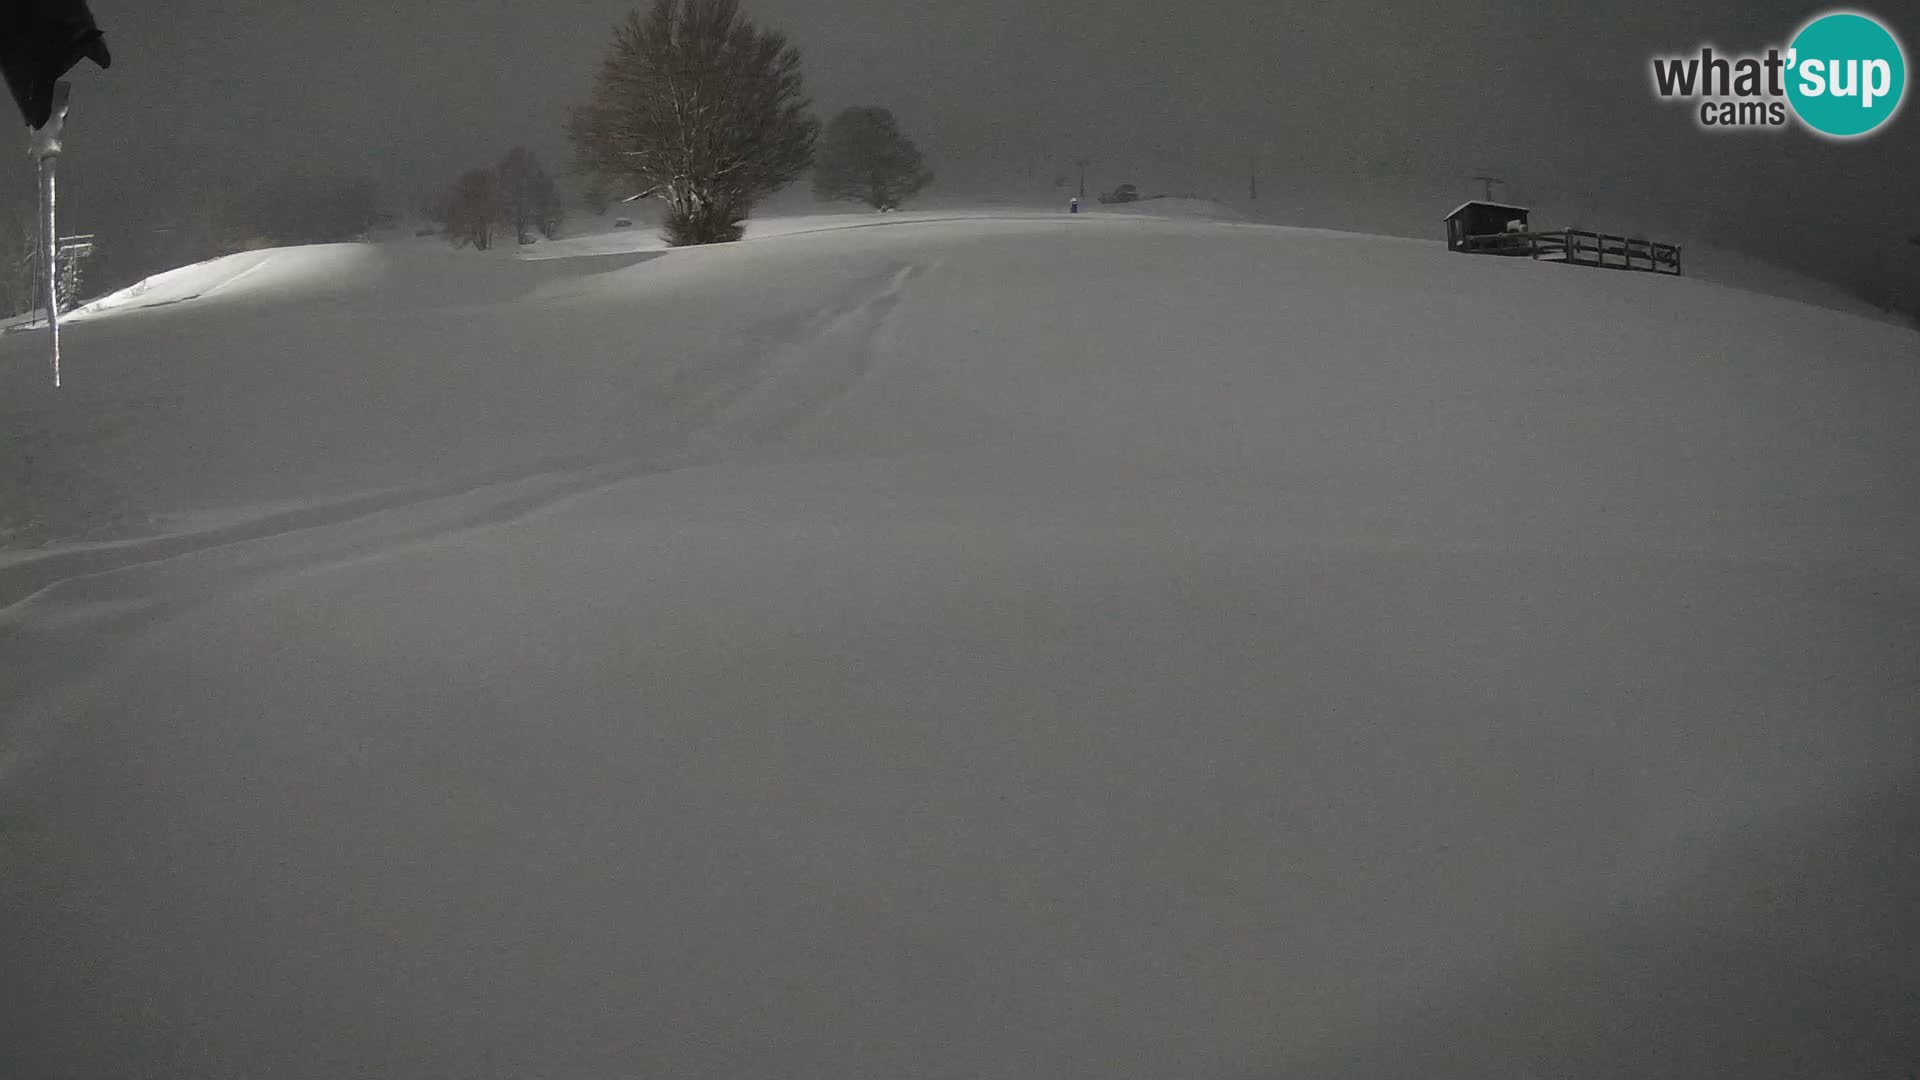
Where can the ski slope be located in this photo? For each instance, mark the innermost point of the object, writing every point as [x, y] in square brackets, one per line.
[978, 645]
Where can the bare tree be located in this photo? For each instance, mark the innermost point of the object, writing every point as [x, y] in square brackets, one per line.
[529, 199]
[697, 104]
[864, 158]
[469, 210]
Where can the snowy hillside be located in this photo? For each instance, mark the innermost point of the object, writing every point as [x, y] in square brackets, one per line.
[990, 645]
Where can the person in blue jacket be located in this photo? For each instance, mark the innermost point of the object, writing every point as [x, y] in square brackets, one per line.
[1073, 207]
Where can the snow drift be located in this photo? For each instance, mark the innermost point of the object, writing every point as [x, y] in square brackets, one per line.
[991, 648]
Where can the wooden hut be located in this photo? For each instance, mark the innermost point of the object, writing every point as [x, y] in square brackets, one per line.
[1481, 218]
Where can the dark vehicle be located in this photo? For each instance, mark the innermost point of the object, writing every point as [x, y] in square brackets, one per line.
[1125, 193]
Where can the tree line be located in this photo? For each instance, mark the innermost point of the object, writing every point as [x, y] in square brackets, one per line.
[698, 107]
[693, 104]
[516, 195]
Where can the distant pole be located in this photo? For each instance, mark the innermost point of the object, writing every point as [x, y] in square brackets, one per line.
[1083, 162]
[1489, 181]
[1253, 178]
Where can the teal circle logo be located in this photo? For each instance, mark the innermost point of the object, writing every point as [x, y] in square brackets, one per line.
[1847, 75]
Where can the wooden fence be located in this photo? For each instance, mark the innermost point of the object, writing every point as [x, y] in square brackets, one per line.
[1581, 248]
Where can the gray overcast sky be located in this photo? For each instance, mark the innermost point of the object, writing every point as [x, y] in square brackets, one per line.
[1414, 96]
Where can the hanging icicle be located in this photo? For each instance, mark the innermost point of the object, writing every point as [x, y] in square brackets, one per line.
[46, 152]
[40, 41]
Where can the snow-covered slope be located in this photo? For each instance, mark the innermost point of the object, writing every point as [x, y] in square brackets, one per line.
[273, 274]
[601, 237]
[1171, 206]
[1000, 647]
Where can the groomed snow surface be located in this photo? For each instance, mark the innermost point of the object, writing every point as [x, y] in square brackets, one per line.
[1003, 646]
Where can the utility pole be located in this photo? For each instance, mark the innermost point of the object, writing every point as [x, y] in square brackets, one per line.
[1489, 181]
[73, 251]
[1083, 162]
[1253, 178]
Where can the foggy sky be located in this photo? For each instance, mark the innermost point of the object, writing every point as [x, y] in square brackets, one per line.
[214, 96]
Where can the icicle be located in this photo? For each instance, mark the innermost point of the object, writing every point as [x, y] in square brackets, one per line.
[45, 150]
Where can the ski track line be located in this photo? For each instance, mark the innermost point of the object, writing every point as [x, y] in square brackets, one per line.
[803, 381]
[29, 579]
[75, 625]
[81, 585]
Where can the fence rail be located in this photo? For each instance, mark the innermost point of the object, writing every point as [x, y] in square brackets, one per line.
[1581, 248]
